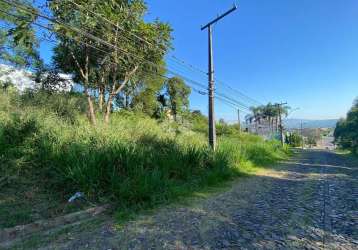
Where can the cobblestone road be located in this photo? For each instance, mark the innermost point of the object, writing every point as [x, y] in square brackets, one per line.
[308, 202]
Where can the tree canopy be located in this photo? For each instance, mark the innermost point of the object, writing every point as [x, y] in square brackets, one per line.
[18, 41]
[110, 49]
[268, 113]
[178, 93]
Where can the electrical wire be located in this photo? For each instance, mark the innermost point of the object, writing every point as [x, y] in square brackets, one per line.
[221, 96]
[180, 61]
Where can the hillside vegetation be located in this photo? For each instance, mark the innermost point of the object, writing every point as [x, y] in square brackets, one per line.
[346, 132]
[127, 136]
[134, 162]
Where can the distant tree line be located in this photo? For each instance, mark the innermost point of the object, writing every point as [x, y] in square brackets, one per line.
[346, 131]
[268, 115]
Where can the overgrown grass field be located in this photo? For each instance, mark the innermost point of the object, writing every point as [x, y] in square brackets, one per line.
[135, 162]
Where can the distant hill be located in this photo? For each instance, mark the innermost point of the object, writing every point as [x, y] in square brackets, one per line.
[296, 123]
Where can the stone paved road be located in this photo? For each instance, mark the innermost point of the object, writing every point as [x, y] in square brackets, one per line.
[308, 202]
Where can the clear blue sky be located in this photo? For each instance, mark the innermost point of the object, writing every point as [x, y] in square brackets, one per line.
[301, 51]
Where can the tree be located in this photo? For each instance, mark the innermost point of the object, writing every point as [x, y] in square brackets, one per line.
[223, 128]
[75, 53]
[178, 93]
[18, 41]
[269, 113]
[79, 61]
[113, 52]
[52, 81]
[294, 139]
[146, 92]
[346, 131]
[198, 121]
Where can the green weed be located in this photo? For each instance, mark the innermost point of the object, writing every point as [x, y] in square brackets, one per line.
[136, 162]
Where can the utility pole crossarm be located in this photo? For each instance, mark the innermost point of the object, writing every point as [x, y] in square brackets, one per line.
[219, 17]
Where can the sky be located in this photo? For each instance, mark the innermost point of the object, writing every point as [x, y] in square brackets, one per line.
[302, 52]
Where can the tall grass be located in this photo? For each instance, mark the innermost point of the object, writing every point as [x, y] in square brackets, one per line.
[135, 162]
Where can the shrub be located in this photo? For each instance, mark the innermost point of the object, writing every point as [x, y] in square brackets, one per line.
[65, 105]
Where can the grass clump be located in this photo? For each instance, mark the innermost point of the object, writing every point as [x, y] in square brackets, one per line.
[135, 162]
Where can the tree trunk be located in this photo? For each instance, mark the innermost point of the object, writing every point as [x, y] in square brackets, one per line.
[85, 76]
[100, 98]
[92, 115]
[127, 101]
[110, 98]
[174, 111]
[108, 108]
[115, 91]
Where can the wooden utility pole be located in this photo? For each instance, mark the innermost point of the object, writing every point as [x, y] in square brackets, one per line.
[212, 130]
[279, 105]
[281, 127]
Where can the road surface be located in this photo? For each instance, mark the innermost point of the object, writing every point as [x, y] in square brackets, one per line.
[308, 202]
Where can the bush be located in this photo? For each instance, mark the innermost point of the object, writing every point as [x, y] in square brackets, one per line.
[346, 131]
[294, 139]
[65, 105]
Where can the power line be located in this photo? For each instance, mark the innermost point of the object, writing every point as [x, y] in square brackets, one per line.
[250, 99]
[99, 40]
[115, 25]
[49, 29]
[222, 100]
[229, 101]
[180, 61]
[134, 35]
[86, 44]
[88, 35]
